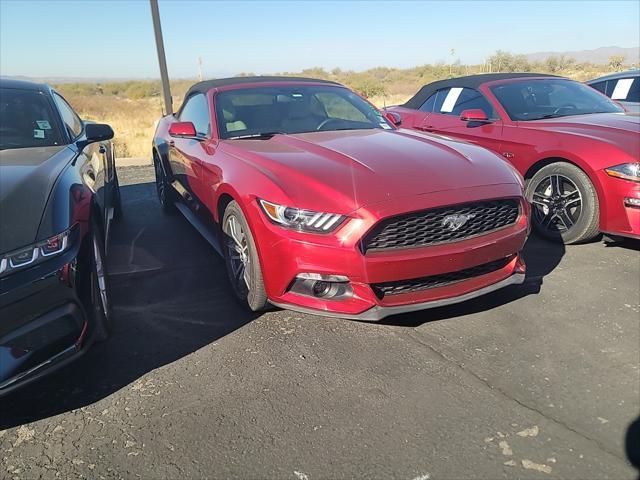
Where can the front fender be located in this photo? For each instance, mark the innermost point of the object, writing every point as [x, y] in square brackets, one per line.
[75, 199]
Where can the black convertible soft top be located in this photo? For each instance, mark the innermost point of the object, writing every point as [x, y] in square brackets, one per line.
[471, 81]
[205, 86]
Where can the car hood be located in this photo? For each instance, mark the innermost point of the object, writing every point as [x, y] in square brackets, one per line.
[26, 178]
[354, 168]
[612, 128]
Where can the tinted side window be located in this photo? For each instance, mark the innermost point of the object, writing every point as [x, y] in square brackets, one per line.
[634, 91]
[455, 100]
[196, 111]
[69, 117]
[427, 106]
[626, 89]
[600, 86]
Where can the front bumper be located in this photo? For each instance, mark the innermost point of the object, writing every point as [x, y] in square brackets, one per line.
[378, 312]
[285, 254]
[617, 217]
[44, 324]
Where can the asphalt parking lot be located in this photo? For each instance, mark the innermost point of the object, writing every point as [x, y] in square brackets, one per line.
[536, 381]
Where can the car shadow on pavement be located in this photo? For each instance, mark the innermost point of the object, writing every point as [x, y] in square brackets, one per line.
[170, 297]
[541, 256]
[626, 243]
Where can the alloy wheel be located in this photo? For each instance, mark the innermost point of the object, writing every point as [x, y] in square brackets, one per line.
[100, 277]
[160, 185]
[238, 254]
[557, 203]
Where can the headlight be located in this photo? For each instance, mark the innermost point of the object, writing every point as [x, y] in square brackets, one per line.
[36, 253]
[303, 220]
[628, 171]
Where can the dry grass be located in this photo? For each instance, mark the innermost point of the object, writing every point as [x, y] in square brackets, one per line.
[133, 121]
[382, 101]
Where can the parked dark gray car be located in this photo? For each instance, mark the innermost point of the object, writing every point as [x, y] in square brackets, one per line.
[624, 87]
[58, 195]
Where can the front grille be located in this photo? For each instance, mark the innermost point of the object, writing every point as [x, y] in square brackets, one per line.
[430, 227]
[440, 280]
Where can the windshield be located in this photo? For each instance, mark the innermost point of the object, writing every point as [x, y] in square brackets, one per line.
[264, 111]
[537, 99]
[26, 120]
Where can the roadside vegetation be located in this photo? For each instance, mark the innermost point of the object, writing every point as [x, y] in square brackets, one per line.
[133, 107]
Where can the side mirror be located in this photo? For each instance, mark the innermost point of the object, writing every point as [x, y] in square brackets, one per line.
[97, 132]
[182, 129]
[474, 115]
[394, 118]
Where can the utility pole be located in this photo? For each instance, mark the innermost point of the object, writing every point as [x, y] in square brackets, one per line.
[199, 69]
[452, 52]
[162, 61]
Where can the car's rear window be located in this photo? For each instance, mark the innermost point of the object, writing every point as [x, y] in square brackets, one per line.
[27, 119]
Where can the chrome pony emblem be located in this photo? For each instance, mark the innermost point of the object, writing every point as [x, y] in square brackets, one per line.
[455, 222]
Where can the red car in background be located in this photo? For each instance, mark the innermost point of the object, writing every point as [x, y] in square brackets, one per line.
[319, 204]
[577, 150]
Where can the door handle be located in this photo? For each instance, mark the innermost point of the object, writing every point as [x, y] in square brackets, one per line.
[428, 128]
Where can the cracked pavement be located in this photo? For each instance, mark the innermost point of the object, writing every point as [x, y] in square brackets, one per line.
[535, 381]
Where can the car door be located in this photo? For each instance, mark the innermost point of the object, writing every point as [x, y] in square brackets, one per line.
[187, 155]
[444, 118]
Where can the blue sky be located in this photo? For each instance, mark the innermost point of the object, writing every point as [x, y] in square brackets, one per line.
[109, 39]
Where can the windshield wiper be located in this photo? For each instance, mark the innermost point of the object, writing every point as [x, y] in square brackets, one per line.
[550, 115]
[259, 135]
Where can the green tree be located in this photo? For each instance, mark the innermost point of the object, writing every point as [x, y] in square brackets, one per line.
[502, 61]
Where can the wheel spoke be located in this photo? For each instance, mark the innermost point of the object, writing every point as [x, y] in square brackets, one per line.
[237, 269]
[235, 230]
[556, 186]
[546, 221]
[100, 276]
[572, 198]
[541, 198]
[246, 274]
[565, 218]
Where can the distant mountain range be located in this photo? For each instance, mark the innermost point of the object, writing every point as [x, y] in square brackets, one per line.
[598, 56]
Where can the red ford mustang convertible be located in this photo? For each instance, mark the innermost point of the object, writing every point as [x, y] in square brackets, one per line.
[319, 204]
[578, 150]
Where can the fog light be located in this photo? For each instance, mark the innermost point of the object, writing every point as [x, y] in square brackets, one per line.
[632, 202]
[321, 289]
[328, 287]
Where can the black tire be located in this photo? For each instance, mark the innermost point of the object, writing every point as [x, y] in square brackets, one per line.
[117, 200]
[248, 288]
[564, 204]
[166, 193]
[99, 298]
